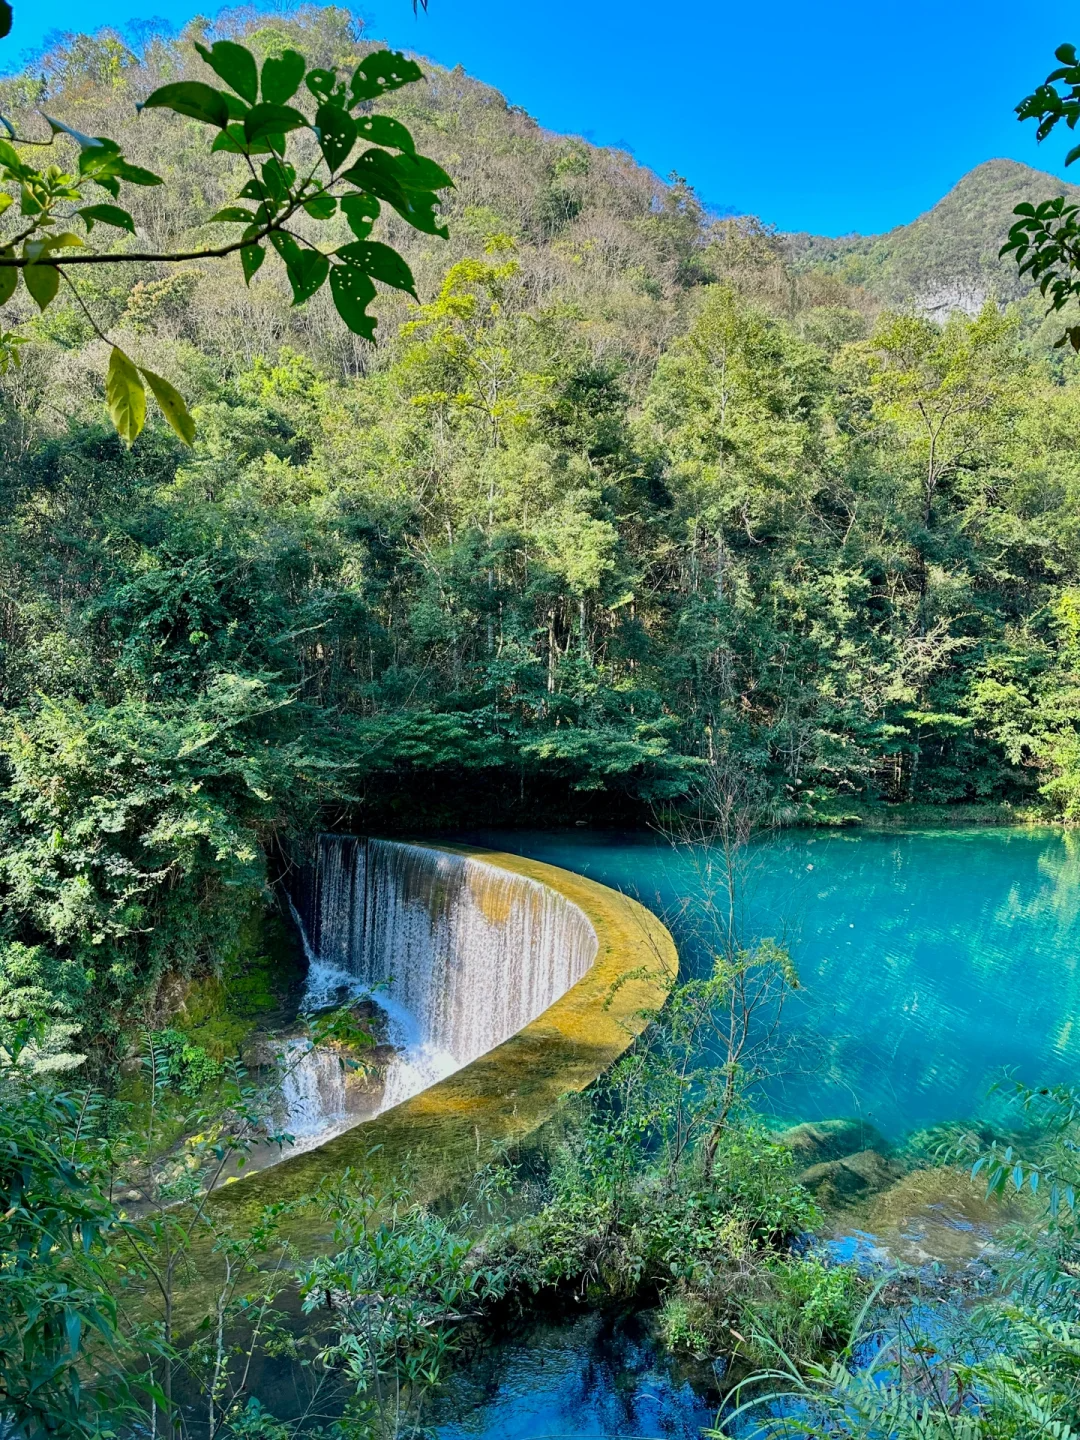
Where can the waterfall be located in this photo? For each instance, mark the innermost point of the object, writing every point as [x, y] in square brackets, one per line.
[458, 953]
[312, 1089]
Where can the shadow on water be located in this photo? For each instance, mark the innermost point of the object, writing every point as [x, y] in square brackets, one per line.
[596, 1373]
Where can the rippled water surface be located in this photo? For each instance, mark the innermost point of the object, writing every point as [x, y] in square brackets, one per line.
[931, 962]
[592, 1375]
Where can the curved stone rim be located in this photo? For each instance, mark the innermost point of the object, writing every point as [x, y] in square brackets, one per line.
[437, 1138]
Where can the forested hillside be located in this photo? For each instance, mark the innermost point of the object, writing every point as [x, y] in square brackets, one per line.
[629, 488]
[948, 258]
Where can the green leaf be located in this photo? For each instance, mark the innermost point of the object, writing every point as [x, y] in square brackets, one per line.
[43, 281]
[421, 211]
[307, 275]
[233, 141]
[353, 292]
[281, 76]
[251, 257]
[192, 98]
[321, 83]
[9, 157]
[107, 215]
[381, 263]
[134, 174]
[235, 65]
[231, 214]
[9, 277]
[337, 133]
[361, 211]
[321, 207]
[384, 130]
[266, 120]
[376, 172]
[417, 172]
[65, 240]
[381, 72]
[172, 405]
[278, 178]
[380, 174]
[125, 397]
[306, 269]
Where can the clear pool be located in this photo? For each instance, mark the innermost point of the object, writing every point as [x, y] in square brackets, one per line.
[932, 963]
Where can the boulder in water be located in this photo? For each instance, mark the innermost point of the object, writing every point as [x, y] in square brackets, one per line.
[818, 1141]
[842, 1182]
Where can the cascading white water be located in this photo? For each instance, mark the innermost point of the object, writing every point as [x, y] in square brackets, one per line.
[458, 953]
[312, 1089]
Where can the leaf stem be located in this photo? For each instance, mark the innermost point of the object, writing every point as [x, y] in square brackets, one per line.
[84, 308]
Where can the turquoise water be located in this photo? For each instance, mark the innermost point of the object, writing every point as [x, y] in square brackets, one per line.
[931, 963]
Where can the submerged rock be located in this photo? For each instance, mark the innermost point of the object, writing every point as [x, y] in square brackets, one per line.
[851, 1178]
[949, 1195]
[818, 1141]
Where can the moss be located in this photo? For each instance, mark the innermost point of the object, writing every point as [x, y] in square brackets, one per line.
[258, 987]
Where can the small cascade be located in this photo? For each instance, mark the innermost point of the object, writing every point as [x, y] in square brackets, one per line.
[312, 1090]
[458, 953]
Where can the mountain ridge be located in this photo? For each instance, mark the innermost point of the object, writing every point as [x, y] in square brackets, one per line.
[947, 258]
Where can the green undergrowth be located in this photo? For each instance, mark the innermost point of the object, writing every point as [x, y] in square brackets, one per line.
[257, 988]
[909, 815]
[205, 1024]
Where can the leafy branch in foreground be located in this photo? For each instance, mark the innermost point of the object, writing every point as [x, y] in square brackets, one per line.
[1046, 237]
[292, 180]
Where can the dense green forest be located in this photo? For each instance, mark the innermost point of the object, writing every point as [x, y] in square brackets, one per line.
[631, 487]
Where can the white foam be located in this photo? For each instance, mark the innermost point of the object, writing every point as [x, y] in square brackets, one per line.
[458, 954]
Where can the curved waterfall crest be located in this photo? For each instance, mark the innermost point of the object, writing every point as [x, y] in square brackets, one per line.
[459, 953]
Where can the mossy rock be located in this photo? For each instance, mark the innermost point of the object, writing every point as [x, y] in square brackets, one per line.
[258, 987]
[819, 1141]
[837, 1183]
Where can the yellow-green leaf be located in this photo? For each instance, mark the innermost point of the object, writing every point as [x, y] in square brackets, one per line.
[64, 241]
[172, 405]
[42, 281]
[125, 396]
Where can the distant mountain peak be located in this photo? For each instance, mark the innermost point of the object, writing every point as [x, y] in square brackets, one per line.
[947, 258]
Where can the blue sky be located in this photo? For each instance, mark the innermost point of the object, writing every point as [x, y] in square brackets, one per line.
[826, 115]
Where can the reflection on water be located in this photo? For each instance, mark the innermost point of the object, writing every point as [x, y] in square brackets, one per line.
[930, 962]
[592, 1375]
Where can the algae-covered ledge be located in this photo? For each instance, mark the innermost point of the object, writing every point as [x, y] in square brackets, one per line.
[437, 1135]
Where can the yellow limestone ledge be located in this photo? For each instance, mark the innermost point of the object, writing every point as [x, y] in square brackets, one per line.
[437, 1138]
